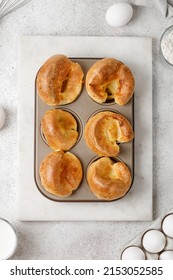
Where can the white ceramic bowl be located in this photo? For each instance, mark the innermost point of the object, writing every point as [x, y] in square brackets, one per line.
[8, 240]
[165, 35]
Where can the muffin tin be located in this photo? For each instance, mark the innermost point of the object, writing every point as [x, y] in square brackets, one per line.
[158, 226]
[82, 109]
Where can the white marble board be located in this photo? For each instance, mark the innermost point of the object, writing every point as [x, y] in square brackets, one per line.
[136, 52]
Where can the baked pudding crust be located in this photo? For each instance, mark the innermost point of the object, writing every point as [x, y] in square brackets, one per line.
[109, 79]
[59, 81]
[105, 130]
[61, 173]
[59, 128]
[107, 179]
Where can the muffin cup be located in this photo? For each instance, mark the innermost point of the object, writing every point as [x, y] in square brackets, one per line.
[114, 159]
[79, 127]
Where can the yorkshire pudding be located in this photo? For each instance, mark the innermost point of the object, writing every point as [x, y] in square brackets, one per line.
[61, 173]
[59, 128]
[59, 80]
[108, 180]
[105, 130]
[110, 80]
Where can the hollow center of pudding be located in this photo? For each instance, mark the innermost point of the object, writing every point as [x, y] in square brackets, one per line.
[64, 85]
[113, 130]
[111, 88]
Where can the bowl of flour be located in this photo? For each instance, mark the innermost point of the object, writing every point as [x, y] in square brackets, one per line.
[166, 45]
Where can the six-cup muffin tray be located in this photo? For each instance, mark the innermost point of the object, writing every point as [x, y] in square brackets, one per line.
[82, 109]
[137, 241]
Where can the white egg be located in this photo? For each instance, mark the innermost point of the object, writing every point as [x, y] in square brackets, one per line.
[167, 225]
[119, 14]
[154, 241]
[166, 255]
[133, 253]
[2, 117]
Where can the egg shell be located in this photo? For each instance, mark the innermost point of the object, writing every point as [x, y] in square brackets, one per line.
[119, 14]
[2, 117]
[167, 225]
[166, 255]
[154, 241]
[133, 253]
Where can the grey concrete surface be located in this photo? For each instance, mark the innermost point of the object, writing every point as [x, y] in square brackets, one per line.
[80, 240]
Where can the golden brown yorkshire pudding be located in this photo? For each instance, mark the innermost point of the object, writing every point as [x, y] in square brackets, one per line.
[61, 173]
[59, 128]
[110, 80]
[108, 180]
[105, 130]
[59, 80]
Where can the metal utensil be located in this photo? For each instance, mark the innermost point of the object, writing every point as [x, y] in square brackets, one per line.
[8, 6]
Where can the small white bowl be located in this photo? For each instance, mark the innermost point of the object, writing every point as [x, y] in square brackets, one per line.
[165, 35]
[8, 240]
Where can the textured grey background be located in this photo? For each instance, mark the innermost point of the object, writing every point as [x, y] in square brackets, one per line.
[80, 240]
